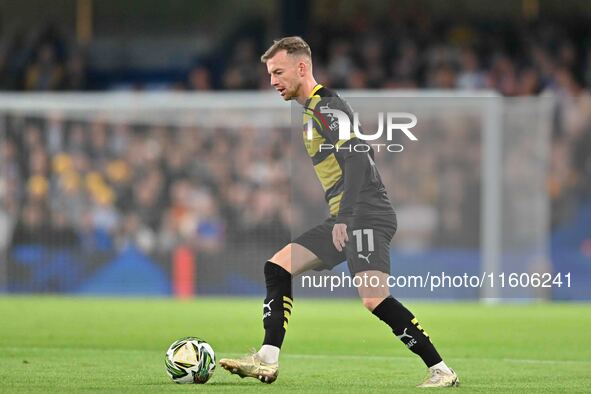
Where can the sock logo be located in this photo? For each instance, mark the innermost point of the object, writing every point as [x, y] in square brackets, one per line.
[265, 306]
[411, 341]
[366, 258]
[404, 335]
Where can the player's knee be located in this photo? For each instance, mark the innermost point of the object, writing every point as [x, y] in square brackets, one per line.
[283, 258]
[370, 303]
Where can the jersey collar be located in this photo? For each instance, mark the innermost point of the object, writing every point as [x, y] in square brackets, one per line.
[311, 96]
[316, 88]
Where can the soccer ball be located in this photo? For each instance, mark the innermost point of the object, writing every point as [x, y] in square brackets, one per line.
[190, 360]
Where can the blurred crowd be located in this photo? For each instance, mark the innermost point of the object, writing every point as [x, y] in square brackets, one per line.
[411, 52]
[396, 51]
[41, 60]
[103, 186]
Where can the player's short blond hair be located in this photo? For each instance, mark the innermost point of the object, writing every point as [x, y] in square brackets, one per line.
[293, 45]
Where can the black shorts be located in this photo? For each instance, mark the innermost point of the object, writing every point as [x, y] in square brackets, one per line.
[368, 247]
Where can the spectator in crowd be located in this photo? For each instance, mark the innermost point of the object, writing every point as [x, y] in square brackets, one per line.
[41, 59]
[45, 73]
[199, 78]
[32, 227]
[75, 75]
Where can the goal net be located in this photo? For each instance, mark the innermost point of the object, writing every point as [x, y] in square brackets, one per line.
[184, 194]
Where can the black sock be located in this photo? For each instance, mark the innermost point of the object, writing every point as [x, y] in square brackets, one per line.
[277, 305]
[406, 327]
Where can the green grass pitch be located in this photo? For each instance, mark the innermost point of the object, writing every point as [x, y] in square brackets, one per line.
[53, 344]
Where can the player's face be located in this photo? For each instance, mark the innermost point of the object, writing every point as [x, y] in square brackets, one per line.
[285, 74]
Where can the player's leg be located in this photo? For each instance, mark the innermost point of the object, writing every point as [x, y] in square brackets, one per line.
[377, 299]
[402, 321]
[264, 364]
[292, 260]
[311, 250]
[368, 256]
[295, 259]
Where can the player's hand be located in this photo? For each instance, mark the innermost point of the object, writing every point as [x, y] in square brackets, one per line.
[339, 236]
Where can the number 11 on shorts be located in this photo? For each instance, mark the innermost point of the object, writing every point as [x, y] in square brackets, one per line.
[358, 234]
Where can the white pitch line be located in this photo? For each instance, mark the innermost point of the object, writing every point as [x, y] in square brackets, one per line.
[530, 361]
[319, 356]
[383, 358]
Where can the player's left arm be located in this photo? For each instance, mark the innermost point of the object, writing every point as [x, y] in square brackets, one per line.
[355, 166]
